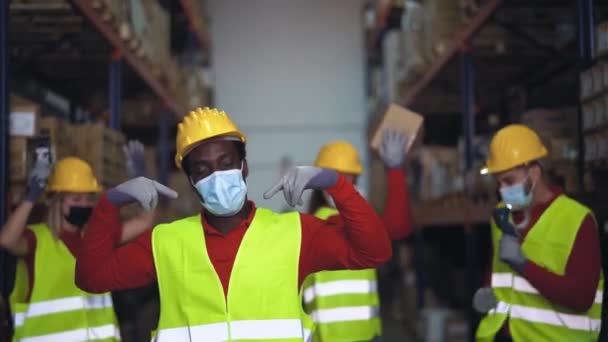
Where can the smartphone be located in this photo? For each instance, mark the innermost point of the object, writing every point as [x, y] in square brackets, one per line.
[39, 151]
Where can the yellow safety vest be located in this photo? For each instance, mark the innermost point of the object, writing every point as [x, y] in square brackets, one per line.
[343, 304]
[263, 301]
[58, 310]
[530, 316]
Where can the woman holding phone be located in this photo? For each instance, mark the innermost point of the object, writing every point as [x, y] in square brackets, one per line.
[45, 301]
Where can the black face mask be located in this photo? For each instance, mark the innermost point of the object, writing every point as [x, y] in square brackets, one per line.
[79, 216]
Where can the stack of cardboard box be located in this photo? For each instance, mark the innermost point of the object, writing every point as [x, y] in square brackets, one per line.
[102, 148]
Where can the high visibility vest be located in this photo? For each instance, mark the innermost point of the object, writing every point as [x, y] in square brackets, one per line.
[343, 304]
[262, 302]
[530, 316]
[57, 310]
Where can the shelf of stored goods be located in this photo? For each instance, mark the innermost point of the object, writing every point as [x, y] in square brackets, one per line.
[192, 15]
[86, 7]
[383, 12]
[461, 40]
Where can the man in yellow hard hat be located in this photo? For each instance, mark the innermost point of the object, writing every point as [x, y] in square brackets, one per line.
[546, 281]
[234, 271]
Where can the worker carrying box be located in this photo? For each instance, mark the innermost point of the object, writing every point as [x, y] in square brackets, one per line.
[546, 280]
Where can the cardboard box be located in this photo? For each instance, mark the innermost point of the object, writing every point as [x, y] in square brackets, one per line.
[563, 149]
[24, 120]
[402, 120]
[550, 123]
[102, 148]
[18, 160]
[598, 77]
[602, 38]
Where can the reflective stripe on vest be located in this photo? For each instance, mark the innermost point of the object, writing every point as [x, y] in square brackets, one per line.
[569, 321]
[57, 310]
[239, 330]
[64, 305]
[339, 287]
[349, 313]
[520, 284]
[344, 304]
[263, 301]
[530, 316]
[109, 331]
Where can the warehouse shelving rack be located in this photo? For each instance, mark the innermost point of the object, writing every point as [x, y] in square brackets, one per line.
[118, 54]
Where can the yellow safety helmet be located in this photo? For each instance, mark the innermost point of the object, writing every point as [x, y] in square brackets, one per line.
[340, 156]
[202, 124]
[73, 174]
[513, 146]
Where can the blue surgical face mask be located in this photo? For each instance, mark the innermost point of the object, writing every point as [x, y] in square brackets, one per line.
[223, 192]
[516, 197]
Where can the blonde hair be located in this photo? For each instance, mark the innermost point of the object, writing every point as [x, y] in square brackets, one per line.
[55, 214]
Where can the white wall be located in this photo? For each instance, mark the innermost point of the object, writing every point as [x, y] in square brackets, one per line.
[291, 75]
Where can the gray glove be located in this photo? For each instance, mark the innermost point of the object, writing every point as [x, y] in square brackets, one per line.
[300, 178]
[392, 149]
[510, 253]
[484, 300]
[501, 218]
[136, 161]
[38, 179]
[142, 190]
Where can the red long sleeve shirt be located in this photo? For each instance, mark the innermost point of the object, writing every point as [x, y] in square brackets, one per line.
[576, 289]
[397, 213]
[362, 243]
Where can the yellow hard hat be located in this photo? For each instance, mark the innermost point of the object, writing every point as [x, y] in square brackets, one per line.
[73, 174]
[202, 124]
[513, 146]
[340, 156]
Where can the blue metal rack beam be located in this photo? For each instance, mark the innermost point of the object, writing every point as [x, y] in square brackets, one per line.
[586, 49]
[468, 125]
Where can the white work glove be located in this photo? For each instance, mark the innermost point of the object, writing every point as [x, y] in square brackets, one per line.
[484, 300]
[136, 161]
[392, 149]
[300, 178]
[142, 190]
[511, 254]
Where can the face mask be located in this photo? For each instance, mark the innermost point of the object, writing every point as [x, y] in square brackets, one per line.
[79, 216]
[223, 192]
[516, 197]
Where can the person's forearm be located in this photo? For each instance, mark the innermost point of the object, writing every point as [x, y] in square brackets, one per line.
[368, 239]
[93, 265]
[12, 231]
[136, 226]
[397, 212]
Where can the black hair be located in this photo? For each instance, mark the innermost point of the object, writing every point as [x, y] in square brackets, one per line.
[240, 149]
